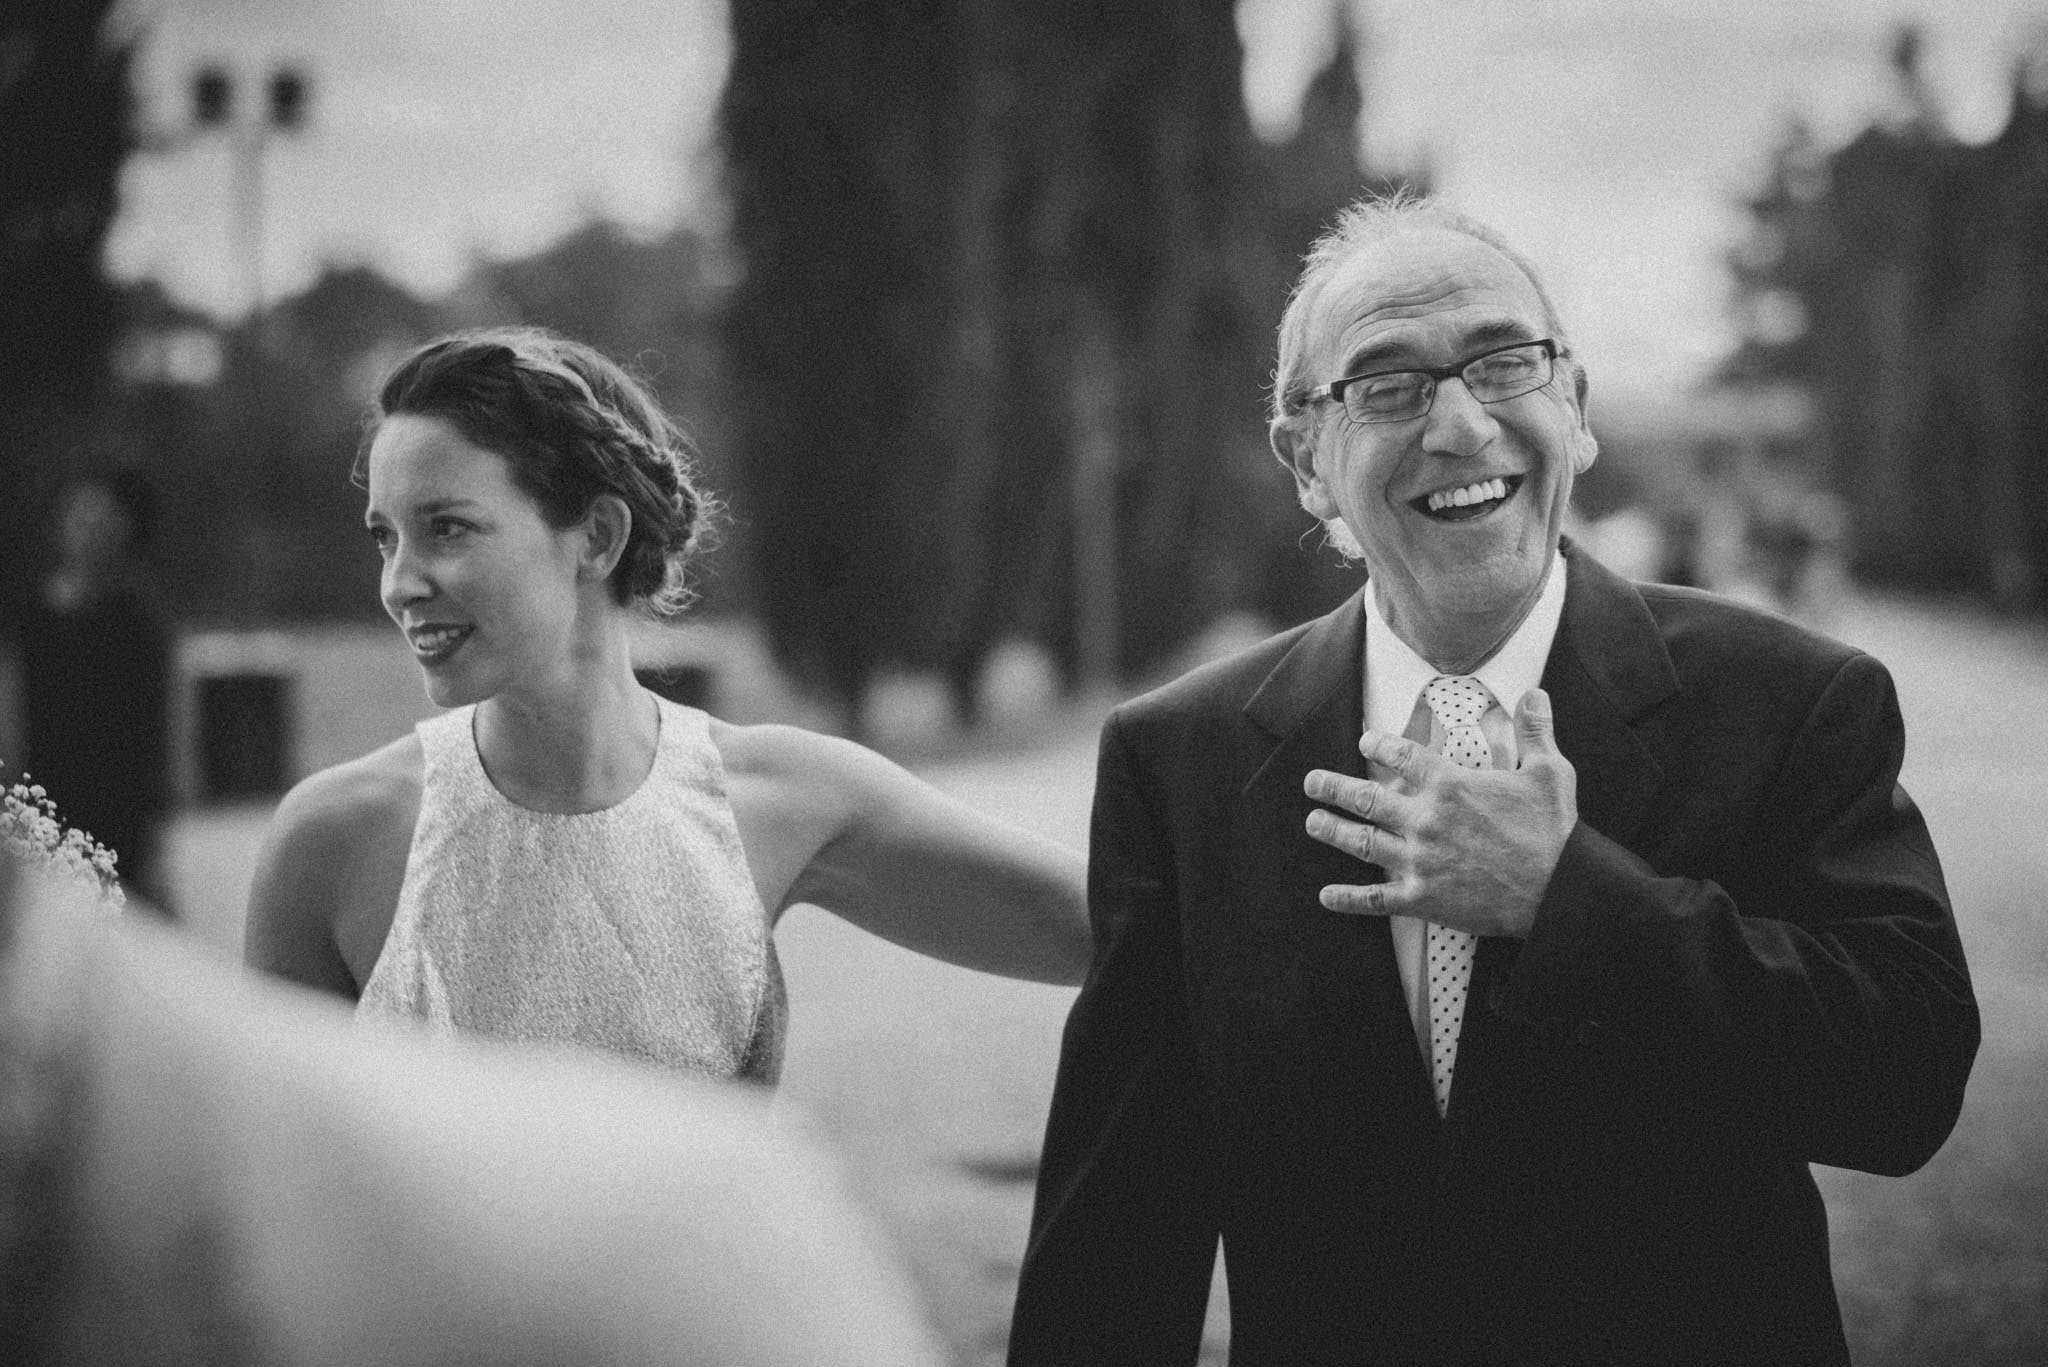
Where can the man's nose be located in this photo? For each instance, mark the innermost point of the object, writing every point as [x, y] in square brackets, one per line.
[1458, 424]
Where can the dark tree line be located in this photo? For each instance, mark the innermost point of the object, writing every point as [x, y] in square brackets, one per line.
[1903, 281]
[995, 365]
[1004, 332]
[64, 133]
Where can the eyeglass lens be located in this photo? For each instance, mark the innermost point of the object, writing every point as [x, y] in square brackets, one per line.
[1498, 375]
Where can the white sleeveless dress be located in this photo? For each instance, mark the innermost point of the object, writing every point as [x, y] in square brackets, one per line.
[636, 929]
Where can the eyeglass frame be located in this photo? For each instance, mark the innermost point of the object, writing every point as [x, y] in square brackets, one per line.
[1334, 390]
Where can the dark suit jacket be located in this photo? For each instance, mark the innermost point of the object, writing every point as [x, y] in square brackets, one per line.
[1744, 963]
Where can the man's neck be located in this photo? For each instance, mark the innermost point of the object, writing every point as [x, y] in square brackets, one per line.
[1453, 644]
[1455, 641]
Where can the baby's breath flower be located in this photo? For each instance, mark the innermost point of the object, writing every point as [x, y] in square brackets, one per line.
[32, 831]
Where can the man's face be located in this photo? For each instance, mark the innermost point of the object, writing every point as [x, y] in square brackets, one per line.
[1431, 297]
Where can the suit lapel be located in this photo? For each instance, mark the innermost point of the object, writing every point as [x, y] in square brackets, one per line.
[1607, 668]
[1361, 1044]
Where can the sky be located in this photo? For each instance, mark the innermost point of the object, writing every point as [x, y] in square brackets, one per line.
[1611, 139]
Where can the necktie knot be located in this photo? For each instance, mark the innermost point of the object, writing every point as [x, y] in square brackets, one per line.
[1458, 701]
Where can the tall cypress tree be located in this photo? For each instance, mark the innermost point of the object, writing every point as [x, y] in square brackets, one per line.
[839, 160]
[997, 334]
[64, 132]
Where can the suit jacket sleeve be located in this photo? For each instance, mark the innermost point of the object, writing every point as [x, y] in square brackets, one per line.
[1124, 1232]
[1829, 1006]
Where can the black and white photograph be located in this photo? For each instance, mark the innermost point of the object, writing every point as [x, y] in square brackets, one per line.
[1078, 683]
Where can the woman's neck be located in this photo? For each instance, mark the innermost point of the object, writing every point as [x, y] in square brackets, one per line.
[581, 746]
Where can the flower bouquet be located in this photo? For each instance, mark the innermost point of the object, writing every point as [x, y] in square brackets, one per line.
[32, 833]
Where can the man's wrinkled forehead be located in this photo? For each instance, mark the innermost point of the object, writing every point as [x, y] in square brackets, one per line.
[1427, 286]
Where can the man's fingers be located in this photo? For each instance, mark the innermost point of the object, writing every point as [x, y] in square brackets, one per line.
[1361, 797]
[1356, 838]
[1399, 754]
[1374, 844]
[1361, 899]
[1535, 728]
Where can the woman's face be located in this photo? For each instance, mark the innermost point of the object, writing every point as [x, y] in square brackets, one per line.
[485, 590]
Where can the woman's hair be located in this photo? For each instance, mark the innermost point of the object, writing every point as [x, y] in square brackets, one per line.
[572, 425]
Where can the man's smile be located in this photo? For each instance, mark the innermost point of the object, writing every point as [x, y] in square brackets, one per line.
[1466, 502]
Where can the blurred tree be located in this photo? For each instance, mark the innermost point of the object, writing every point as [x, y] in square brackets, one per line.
[64, 133]
[1902, 281]
[1028, 251]
[836, 120]
[1115, 354]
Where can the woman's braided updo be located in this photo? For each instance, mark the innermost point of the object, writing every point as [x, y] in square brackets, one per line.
[572, 425]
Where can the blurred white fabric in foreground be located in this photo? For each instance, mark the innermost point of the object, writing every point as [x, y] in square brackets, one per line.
[198, 1167]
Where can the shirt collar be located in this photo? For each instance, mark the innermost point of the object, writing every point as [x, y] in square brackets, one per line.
[1395, 675]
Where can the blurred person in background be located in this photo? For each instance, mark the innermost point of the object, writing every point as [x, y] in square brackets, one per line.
[564, 855]
[1484, 962]
[96, 652]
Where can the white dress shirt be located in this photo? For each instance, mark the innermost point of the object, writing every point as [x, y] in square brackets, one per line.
[1394, 679]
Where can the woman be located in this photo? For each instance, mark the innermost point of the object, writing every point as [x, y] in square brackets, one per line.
[564, 855]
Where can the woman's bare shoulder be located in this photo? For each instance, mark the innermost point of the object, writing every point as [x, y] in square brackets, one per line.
[773, 750]
[328, 877]
[830, 777]
[358, 800]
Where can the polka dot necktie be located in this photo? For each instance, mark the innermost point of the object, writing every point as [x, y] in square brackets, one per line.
[1457, 702]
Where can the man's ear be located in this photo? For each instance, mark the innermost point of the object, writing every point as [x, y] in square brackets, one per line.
[1585, 446]
[1295, 447]
[605, 529]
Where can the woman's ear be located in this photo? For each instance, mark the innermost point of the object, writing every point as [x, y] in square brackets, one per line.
[605, 529]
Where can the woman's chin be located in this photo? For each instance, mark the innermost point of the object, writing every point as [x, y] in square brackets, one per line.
[445, 688]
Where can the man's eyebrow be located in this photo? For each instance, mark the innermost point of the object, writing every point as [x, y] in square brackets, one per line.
[1389, 355]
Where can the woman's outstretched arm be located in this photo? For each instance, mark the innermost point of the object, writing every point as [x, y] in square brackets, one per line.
[835, 825]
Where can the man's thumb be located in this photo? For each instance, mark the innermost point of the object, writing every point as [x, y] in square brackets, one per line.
[1533, 723]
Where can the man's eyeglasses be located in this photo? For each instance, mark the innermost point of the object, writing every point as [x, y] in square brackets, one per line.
[1397, 395]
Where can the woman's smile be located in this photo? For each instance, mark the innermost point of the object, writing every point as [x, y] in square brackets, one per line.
[434, 644]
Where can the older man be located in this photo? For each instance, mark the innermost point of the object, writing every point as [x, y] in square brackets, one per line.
[1485, 962]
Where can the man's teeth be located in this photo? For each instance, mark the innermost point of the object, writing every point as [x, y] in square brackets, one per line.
[1470, 494]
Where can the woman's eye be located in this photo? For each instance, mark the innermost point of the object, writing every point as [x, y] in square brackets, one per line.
[382, 538]
[447, 528]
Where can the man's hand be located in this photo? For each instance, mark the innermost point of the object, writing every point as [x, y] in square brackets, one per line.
[1469, 848]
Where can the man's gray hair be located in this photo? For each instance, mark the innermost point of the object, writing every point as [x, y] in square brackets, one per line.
[1361, 224]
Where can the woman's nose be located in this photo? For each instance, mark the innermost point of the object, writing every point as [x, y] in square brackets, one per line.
[403, 582]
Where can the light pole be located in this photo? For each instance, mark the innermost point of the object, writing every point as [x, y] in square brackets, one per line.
[287, 92]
